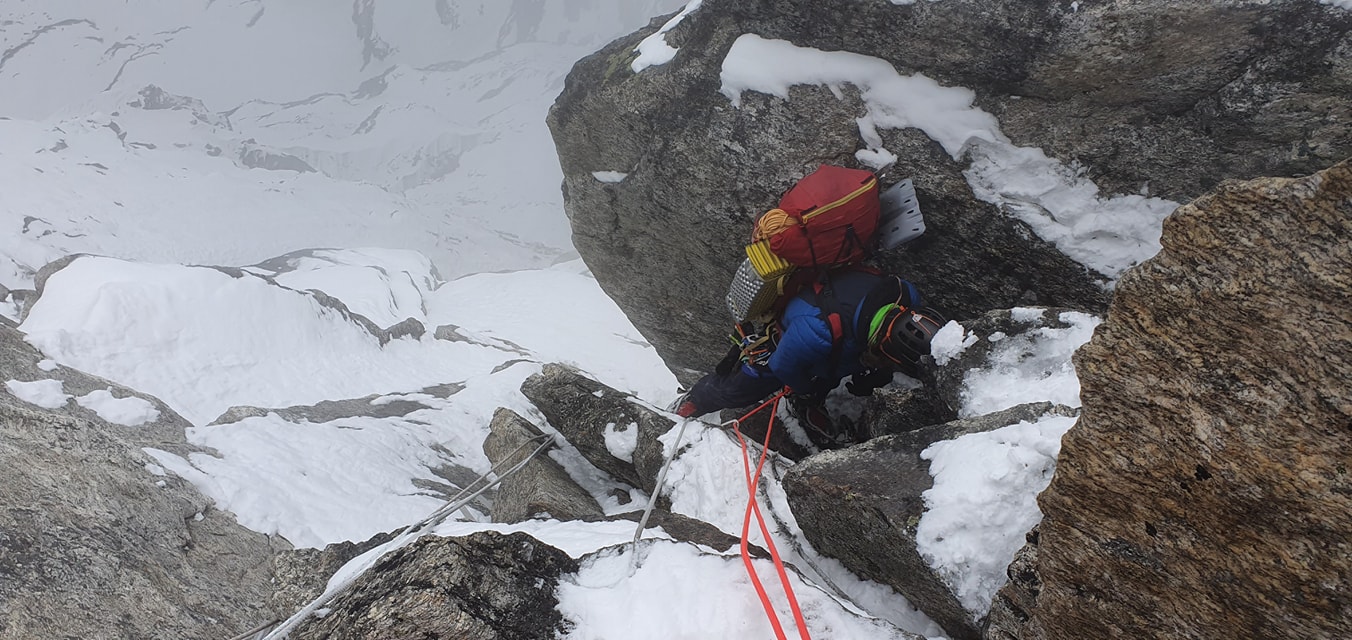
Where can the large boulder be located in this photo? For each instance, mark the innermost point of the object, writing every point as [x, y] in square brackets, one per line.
[541, 486]
[485, 586]
[1205, 492]
[95, 539]
[1261, 88]
[862, 506]
[610, 428]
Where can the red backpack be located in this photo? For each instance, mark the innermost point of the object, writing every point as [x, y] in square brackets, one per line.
[828, 218]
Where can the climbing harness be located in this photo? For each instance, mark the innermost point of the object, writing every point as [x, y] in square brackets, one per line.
[752, 482]
[416, 530]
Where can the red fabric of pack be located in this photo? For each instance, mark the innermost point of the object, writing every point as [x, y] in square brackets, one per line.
[833, 215]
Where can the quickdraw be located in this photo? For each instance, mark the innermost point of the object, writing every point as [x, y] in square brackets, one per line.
[755, 346]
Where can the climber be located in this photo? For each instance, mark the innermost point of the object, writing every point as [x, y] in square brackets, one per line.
[879, 327]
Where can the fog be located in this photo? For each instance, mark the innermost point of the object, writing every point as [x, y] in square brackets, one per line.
[231, 131]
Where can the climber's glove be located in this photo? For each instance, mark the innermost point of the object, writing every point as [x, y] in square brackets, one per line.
[864, 382]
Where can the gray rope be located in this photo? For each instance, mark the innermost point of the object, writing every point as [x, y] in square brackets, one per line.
[657, 491]
[416, 530]
[446, 509]
[258, 629]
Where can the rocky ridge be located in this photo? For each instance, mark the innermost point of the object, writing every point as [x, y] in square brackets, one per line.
[1272, 442]
[1216, 414]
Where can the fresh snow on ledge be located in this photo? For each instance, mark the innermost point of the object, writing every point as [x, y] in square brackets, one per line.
[609, 176]
[1032, 367]
[1016, 463]
[48, 394]
[128, 412]
[654, 50]
[998, 474]
[1108, 235]
[950, 342]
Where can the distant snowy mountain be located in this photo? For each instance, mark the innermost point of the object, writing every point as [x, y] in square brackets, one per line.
[218, 132]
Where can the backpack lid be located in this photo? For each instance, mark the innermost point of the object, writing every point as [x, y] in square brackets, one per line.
[828, 218]
[824, 186]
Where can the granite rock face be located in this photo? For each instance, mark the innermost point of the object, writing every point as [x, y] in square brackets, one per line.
[542, 486]
[894, 409]
[95, 541]
[1144, 95]
[1206, 490]
[485, 586]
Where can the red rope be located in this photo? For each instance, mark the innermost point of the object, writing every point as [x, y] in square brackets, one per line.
[752, 481]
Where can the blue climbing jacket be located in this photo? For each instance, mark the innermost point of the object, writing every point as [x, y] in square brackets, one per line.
[804, 350]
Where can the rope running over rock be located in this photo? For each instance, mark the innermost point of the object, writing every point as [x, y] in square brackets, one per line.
[410, 534]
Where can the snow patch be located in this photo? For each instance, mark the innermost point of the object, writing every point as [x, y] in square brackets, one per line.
[128, 412]
[48, 394]
[1031, 367]
[622, 442]
[983, 501]
[609, 177]
[587, 599]
[878, 158]
[654, 50]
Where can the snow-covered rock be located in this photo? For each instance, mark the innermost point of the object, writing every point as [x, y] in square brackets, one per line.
[97, 536]
[594, 417]
[1047, 140]
[866, 506]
